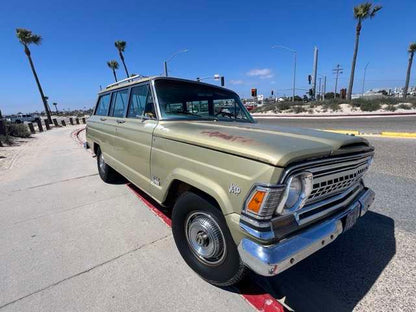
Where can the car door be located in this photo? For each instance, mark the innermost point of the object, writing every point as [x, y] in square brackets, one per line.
[134, 136]
[100, 129]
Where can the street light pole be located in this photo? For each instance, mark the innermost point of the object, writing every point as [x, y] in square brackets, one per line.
[365, 71]
[169, 59]
[294, 67]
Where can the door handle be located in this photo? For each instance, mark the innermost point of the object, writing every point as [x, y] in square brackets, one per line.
[103, 119]
[121, 121]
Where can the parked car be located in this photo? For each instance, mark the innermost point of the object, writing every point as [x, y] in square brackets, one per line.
[242, 195]
[21, 118]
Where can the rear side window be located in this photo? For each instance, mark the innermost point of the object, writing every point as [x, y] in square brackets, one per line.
[119, 103]
[103, 105]
[141, 102]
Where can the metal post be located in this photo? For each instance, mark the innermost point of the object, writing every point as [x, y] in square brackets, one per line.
[294, 78]
[365, 71]
[47, 124]
[166, 68]
[319, 89]
[77, 120]
[315, 71]
[55, 122]
[39, 122]
[323, 97]
[31, 128]
[83, 120]
[71, 121]
[63, 123]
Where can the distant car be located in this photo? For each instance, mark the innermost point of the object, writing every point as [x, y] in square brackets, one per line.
[21, 118]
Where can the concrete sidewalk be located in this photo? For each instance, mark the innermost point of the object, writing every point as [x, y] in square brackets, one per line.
[69, 242]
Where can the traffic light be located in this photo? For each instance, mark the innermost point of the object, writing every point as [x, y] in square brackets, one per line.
[272, 92]
[311, 92]
[343, 93]
[254, 92]
[310, 79]
[222, 81]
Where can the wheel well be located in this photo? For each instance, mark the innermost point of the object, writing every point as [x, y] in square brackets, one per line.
[95, 148]
[177, 188]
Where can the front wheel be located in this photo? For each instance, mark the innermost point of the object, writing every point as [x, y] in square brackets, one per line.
[204, 241]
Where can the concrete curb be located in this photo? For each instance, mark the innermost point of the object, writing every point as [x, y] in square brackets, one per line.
[380, 134]
[329, 116]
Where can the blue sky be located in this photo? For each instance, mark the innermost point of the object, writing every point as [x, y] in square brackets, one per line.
[231, 38]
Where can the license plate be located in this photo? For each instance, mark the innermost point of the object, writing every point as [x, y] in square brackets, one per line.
[352, 218]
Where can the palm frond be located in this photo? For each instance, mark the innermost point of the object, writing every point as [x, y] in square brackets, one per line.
[113, 64]
[120, 45]
[366, 10]
[412, 47]
[26, 36]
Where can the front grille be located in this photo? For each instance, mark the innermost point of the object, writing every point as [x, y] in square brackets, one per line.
[336, 181]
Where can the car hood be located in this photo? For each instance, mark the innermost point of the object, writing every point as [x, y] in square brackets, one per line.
[275, 145]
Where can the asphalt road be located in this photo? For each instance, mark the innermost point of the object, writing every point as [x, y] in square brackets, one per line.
[368, 125]
[70, 242]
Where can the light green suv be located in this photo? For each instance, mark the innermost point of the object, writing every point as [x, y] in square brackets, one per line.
[242, 195]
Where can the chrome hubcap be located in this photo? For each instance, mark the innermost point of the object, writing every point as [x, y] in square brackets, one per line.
[205, 238]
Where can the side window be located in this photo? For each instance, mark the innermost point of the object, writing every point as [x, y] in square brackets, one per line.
[103, 105]
[141, 103]
[119, 103]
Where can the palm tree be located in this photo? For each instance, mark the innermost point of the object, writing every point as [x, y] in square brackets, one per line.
[113, 65]
[362, 12]
[26, 38]
[411, 50]
[121, 46]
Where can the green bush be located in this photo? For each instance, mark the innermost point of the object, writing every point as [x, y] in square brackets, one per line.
[391, 108]
[297, 109]
[405, 106]
[17, 130]
[6, 139]
[370, 106]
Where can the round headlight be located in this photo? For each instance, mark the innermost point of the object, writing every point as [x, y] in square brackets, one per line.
[295, 191]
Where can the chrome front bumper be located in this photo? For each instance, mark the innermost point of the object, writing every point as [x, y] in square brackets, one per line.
[274, 259]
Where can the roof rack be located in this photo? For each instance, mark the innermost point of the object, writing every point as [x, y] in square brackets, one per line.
[127, 80]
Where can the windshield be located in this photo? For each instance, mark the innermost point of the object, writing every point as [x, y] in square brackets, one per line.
[188, 100]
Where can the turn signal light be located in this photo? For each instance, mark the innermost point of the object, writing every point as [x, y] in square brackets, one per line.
[256, 201]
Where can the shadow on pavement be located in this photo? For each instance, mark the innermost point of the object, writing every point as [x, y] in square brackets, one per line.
[338, 277]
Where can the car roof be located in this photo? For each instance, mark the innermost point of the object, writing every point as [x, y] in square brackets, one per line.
[140, 79]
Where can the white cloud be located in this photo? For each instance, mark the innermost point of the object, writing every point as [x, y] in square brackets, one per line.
[262, 73]
[236, 82]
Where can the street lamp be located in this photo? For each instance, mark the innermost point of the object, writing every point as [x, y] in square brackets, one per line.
[172, 56]
[294, 66]
[215, 77]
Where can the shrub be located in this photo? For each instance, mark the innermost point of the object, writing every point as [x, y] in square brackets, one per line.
[370, 106]
[17, 130]
[391, 108]
[298, 109]
[6, 139]
[404, 106]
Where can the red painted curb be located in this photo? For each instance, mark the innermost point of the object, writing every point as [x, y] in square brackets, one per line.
[260, 300]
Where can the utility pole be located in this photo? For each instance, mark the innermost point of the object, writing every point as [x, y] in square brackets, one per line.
[315, 71]
[323, 97]
[365, 71]
[337, 71]
[319, 89]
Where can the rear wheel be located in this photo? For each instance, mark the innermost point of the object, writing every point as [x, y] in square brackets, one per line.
[204, 241]
[107, 174]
